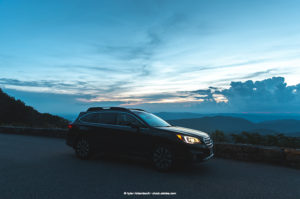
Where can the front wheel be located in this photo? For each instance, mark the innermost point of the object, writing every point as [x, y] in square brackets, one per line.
[83, 149]
[163, 157]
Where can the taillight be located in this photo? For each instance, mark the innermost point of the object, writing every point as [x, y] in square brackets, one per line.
[70, 126]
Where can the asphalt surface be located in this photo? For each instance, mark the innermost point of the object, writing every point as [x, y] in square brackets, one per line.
[38, 167]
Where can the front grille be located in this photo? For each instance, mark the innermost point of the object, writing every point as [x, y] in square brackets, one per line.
[208, 141]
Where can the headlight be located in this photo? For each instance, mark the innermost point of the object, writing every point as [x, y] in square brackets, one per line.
[189, 139]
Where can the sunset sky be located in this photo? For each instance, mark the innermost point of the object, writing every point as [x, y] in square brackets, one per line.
[62, 56]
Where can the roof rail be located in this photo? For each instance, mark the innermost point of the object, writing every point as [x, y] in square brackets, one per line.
[137, 109]
[112, 108]
[119, 108]
[94, 109]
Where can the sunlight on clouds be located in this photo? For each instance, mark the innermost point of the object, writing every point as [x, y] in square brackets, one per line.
[220, 98]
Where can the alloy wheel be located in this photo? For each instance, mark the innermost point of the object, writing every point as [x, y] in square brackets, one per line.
[83, 148]
[162, 158]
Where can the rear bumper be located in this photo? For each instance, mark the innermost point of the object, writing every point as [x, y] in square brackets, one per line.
[69, 142]
[70, 139]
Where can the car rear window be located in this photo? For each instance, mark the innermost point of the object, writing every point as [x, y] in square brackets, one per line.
[101, 118]
[107, 118]
[91, 117]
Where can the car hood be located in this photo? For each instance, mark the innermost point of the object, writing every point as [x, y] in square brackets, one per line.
[185, 131]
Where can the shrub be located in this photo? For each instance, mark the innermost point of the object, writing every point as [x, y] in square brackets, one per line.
[219, 136]
[279, 140]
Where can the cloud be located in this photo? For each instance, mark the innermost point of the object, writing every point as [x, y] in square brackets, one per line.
[232, 65]
[269, 95]
[256, 74]
[93, 68]
[42, 83]
[140, 50]
[61, 87]
[154, 37]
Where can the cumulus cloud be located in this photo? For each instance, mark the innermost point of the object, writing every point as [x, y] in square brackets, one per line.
[271, 94]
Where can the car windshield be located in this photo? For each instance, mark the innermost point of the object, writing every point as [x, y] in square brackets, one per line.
[152, 119]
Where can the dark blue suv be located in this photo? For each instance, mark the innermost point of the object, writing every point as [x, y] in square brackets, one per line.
[137, 132]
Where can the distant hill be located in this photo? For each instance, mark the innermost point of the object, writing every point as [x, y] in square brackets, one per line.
[253, 117]
[287, 126]
[229, 124]
[178, 115]
[15, 112]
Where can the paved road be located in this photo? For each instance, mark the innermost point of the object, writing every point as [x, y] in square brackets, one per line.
[37, 167]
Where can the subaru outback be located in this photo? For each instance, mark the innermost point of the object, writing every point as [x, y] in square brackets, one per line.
[139, 133]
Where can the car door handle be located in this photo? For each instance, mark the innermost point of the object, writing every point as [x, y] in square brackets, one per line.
[84, 128]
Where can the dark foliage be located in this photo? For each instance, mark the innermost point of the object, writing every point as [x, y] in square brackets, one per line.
[279, 140]
[15, 112]
[219, 136]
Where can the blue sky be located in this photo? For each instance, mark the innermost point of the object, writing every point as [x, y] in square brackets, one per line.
[62, 56]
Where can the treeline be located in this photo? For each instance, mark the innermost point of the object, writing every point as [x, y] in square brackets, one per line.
[279, 140]
[16, 113]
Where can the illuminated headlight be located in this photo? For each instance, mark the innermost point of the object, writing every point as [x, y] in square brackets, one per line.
[189, 139]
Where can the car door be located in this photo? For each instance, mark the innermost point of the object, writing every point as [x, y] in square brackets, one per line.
[89, 127]
[98, 127]
[133, 133]
[106, 135]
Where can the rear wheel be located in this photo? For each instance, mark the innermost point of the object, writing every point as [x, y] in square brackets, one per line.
[83, 148]
[163, 157]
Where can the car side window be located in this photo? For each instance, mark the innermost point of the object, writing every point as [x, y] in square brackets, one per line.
[91, 118]
[126, 119]
[107, 118]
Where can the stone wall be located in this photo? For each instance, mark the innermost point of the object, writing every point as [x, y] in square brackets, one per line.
[248, 152]
[53, 132]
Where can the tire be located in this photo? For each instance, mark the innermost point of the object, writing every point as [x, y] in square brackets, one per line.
[163, 157]
[83, 148]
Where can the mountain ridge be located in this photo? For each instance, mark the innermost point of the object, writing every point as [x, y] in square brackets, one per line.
[14, 112]
[230, 124]
[253, 117]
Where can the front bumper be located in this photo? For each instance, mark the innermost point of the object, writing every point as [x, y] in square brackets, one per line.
[200, 155]
[209, 157]
[196, 153]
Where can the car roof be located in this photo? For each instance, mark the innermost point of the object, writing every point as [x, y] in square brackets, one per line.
[94, 109]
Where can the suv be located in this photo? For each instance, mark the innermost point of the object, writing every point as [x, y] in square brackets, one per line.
[136, 132]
